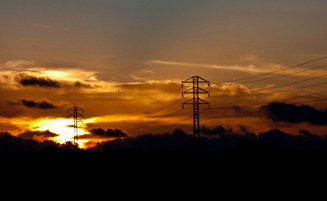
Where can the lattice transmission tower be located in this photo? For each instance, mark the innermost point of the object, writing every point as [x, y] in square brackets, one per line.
[75, 113]
[196, 101]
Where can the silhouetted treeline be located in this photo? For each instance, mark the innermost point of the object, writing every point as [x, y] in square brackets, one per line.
[246, 152]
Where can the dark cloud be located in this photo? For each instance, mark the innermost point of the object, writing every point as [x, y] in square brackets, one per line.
[82, 85]
[39, 81]
[28, 103]
[34, 104]
[236, 108]
[46, 105]
[294, 114]
[49, 83]
[30, 134]
[108, 132]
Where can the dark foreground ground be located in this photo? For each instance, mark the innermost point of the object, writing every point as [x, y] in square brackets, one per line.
[251, 169]
[248, 156]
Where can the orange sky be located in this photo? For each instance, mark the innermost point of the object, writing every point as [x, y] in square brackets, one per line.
[114, 57]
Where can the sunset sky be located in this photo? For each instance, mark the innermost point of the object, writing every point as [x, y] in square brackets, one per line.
[114, 59]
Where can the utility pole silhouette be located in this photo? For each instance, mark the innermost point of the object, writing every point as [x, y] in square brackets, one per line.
[74, 112]
[196, 101]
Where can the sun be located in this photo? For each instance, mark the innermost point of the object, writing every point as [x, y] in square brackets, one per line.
[61, 127]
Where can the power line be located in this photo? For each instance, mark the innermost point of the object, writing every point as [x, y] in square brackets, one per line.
[177, 121]
[282, 75]
[156, 121]
[245, 106]
[151, 103]
[273, 87]
[224, 96]
[151, 113]
[274, 71]
[316, 100]
[146, 105]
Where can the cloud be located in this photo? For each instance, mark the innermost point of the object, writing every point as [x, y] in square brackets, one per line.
[259, 67]
[41, 105]
[17, 63]
[99, 133]
[34, 104]
[46, 82]
[108, 132]
[83, 85]
[39, 134]
[39, 81]
[229, 89]
[138, 78]
[249, 68]
[294, 114]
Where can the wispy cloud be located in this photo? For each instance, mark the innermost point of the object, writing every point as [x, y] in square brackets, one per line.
[249, 68]
[147, 71]
[138, 78]
[16, 64]
[264, 68]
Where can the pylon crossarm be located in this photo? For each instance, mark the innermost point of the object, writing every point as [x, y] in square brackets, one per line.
[192, 82]
[187, 102]
[79, 109]
[187, 91]
[203, 101]
[77, 115]
[204, 80]
[200, 92]
[203, 90]
[187, 80]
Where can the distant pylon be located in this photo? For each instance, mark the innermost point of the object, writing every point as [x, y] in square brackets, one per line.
[74, 112]
[196, 101]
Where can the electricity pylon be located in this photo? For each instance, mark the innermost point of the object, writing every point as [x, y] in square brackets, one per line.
[74, 112]
[196, 101]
